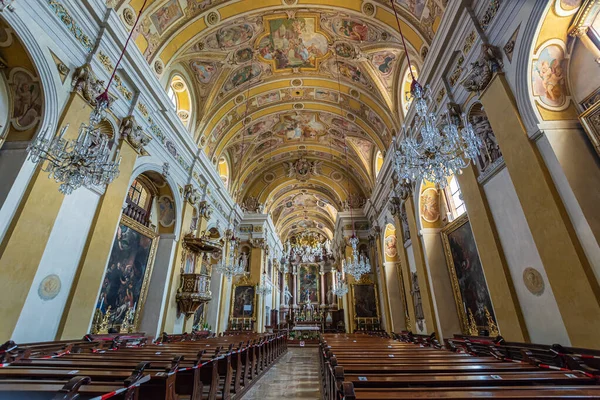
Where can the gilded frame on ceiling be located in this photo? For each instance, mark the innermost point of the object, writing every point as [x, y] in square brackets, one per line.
[272, 52]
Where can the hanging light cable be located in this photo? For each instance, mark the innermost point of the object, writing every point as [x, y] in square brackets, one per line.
[424, 151]
[86, 161]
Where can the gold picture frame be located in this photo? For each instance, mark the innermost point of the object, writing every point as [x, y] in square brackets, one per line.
[102, 320]
[244, 282]
[468, 319]
[365, 283]
[310, 268]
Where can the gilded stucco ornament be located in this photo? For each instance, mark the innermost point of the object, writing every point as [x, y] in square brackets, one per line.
[87, 84]
[303, 169]
[483, 69]
[205, 209]
[191, 194]
[133, 134]
[395, 205]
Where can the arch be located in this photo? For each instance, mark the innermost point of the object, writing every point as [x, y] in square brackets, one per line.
[50, 82]
[148, 166]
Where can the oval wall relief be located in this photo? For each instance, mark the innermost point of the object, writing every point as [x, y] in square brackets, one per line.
[534, 282]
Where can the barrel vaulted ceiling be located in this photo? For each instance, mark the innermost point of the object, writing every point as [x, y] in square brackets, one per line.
[297, 95]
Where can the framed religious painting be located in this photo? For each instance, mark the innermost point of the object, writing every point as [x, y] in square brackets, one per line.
[308, 283]
[470, 289]
[125, 284]
[243, 302]
[365, 302]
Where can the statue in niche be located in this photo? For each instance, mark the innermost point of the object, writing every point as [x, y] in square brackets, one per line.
[287, 295]
[404, 221]
[243, 260]
[416, 294]
[490, 151]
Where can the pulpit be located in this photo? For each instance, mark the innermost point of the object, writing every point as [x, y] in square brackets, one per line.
[194, 281]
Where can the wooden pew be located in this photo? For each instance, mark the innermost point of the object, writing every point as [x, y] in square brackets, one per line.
[361, 367]
[188, 365]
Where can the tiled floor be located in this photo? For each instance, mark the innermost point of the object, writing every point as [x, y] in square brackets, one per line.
[294, 376]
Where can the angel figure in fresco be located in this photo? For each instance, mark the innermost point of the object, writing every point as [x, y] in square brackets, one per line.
[553, 79]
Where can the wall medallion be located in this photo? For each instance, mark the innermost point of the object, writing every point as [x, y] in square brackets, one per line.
[429, 205]
[534, 282]
[49, 287]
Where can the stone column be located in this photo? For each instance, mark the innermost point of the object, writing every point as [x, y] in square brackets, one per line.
[379, 260]
[399, 213]
[431, 322]
[569, 273]
[323, 292]
[499, 281]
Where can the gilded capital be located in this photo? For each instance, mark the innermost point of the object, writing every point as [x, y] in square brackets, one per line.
[483, 69]
[133, 134]
[87, 84]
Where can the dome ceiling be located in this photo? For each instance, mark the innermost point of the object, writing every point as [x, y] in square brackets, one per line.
[297, 95]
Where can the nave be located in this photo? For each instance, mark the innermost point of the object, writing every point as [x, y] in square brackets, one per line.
[363, 366]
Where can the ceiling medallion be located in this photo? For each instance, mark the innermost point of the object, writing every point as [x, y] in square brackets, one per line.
[239, 99]
[296, 82]
[289, 2]
[303, 169]
[298, 106]
[159, 67]
[213, 18]
[354, 93]
[129, 16]
[368, 9]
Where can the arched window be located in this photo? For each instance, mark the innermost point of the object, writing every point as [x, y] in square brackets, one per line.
[454, 200]
[224, 171]
[139, 201]
[179, 93]
[378, 163]
[406, 97]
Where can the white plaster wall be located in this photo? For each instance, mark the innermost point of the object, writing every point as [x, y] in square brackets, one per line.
[570, 145]
[583, 72]
[155, 304]
[212, 311]
[39, 318]
[542, 317]
[4, 106]
[382, 300]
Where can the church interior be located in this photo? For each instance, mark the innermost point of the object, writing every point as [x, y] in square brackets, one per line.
[308, 199]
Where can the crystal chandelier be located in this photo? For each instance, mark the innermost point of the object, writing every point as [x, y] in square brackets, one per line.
[85, 162]
[340, 288]
[6, 4]
[229, 267]
[358, 265]
[426, 152]
[264, 289]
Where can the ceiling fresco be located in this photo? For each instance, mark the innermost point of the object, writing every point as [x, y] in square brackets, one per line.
[296, 96]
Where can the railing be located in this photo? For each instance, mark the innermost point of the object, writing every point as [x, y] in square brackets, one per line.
[136, 213]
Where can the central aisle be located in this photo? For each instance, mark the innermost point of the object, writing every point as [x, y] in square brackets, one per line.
[294, 376]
